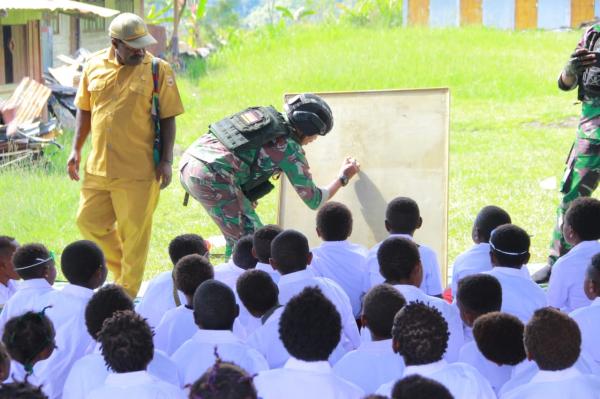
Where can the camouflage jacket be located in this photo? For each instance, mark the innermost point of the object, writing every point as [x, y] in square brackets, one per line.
[283, 154]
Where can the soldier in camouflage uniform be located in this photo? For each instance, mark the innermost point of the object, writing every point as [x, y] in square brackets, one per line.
[583, 164]
[228, 168]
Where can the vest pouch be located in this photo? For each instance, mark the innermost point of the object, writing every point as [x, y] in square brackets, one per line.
[256, 190]
[591, 82]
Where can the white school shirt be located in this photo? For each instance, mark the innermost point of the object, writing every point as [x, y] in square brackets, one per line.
[346, 264]
[496, 375]
[265, 267]
[228, 273]
[158, 298]
[474, 260]
[448, 311]
[462, 380]
[588, 320]
[432, 280]
[197, 354]
[90, 372]
[300, 380]
[371, 365]
[565, 289]
[7, 291]
[569, 383]
[521, 296]
[176, 327]
[27, 297]
[138, 385]
[293, 283]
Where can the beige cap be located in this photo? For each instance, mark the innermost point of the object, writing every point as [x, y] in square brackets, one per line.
[131, 29]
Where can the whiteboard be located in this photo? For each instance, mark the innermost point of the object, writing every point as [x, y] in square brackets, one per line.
[400, 138]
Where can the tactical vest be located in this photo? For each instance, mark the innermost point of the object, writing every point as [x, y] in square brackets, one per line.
[589, 80]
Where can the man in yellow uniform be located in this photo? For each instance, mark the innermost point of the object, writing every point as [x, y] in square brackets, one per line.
[122, 180]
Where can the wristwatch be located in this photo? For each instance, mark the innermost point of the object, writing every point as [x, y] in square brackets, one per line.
[344, 180]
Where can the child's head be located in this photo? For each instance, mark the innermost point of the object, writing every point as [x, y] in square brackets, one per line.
[214, 306]
[592, 278]
[257, 291]
[476, 295]
[582, 221]
[242, 253]
[21, 390]
[552, 339]
[187, 244]
[380, 305]
[29, 338]
[290, 252]
[499, 337]
[334, 222]
[310, 326]
[224, 380]
[4, 363]
[191, 271]
[126, 340]
[509, 246]
[400, 261]
[486, 221]
[418, 387]
[103, 304]
[82, 263]
[8, 246]
[420, 334]
[402, 216]
[261, 242]
[34, 261]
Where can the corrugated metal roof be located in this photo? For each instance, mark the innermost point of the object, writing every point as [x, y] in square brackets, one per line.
[64, 6]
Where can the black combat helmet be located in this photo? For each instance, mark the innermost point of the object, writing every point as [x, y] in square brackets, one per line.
[310, 114]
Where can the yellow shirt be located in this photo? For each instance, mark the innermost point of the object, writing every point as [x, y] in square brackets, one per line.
[120, 99]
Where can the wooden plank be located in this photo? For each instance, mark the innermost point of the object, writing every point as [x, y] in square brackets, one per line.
[19, 37]
[471, 12]
[525, 14]
[418, 12]
[581, 11]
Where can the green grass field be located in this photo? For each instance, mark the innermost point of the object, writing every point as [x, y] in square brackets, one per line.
[511, 127]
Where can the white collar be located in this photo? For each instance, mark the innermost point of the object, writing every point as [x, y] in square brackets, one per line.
[265, 267]
[296, 276]
[482, 246]
[34, 283]
[411, 291]
[78, 291]
[384, 346]
[407, 236]
[322, 366]
[343, 243]
[128, 379]
[596, 301]
[560, 375]
[425, 369]
[509, 271]
[583, 245]
[215, 337]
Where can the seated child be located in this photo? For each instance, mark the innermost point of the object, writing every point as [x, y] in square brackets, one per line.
[509, 252]
[337, 258]
[177, 325]
[21, 390]
[222, 381]
[261, 249]
[290, 256]
[552, 339]
[477, 295]
[241, 260]
[581, 229]
[90, 371]
[374, 362]
[477, 258]
[127, 349]
[35, 265]
[400, 265]
[420, 335]
[588, 318]
[418, 387]
[310, 328]
[8, 276]
[215, 311]
[161, 294]
[402, 219]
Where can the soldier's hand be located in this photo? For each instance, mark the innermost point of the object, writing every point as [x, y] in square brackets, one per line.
[164, 174]
[350, 167]
[73, 165]
[580, 60]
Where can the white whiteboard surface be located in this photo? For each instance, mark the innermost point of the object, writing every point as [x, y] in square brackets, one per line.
[400, 138]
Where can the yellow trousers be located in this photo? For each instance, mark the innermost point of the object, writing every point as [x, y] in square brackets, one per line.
[117, 215]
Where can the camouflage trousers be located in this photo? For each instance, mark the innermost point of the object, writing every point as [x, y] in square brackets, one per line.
[222, 198]
[580, 180]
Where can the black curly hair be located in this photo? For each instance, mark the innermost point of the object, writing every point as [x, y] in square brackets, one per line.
[402, 215]
[488, 218]
[215, 307]
[334, 221]
[583, 216]
[224, 380]
[380, 305]
[419, 387]
[187, 244]
[126, 341]
[191, 271]
[420, 334]
[397, 257]
[106, 301]
[310, 326]
[510, 245]
[21, 390]
[552, 339]
[80, 260]
[30, 255]
[499, 337]
[479, 293]
[257, 291]
[290, 251]
[7, 245]
[242, 253]
[261, 241]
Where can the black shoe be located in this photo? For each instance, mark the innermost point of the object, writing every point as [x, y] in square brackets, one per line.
[543, 275]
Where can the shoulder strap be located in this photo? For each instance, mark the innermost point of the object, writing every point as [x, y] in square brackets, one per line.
[155, 111]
